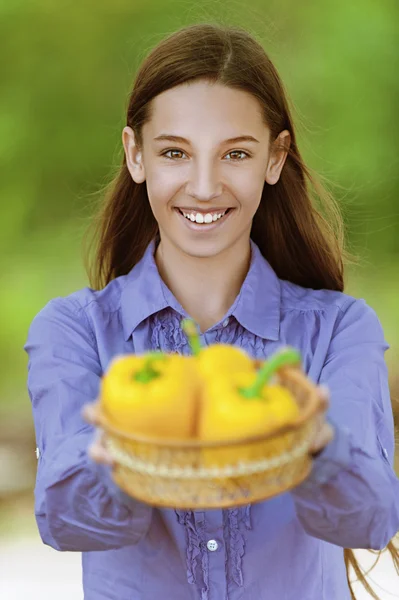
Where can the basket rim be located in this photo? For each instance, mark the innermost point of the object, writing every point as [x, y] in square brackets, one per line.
[294, 373]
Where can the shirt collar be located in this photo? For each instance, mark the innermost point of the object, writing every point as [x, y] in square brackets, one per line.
[256, 308]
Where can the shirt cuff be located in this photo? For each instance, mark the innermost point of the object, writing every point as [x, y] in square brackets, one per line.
[335, 457]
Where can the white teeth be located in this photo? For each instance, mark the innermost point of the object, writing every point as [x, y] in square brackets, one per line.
[200, 218]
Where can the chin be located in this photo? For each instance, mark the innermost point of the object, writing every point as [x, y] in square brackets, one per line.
[202, 249]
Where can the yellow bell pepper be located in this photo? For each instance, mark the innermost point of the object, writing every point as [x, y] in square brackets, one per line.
[153, 394]
[223, 359]
[217, 358]
[227, 415]
[237, 400]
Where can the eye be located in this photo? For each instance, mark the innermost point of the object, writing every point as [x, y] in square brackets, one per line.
[246, 154]
[240, 152]
[172, 150]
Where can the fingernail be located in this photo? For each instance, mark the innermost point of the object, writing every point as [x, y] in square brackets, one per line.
[324, 389]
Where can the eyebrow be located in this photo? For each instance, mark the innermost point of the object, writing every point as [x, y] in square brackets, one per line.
[177, 138]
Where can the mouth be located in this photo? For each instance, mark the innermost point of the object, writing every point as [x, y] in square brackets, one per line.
[199, 221]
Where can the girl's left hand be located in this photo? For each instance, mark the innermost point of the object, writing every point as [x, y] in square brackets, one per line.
[97, 450]
[324, 432]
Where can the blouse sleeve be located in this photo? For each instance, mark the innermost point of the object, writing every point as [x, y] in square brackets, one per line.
[77, 505]
[351, 497]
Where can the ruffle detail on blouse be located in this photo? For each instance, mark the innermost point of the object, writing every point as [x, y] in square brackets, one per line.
[196, 552]
[195, 549]
[235, 334]
[235, 541]
[205, 560]
[167, 334]
[247, 516]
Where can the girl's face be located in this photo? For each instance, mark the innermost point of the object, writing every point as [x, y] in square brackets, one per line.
[203, 172]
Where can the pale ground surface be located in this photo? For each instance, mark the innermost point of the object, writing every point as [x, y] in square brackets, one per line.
[29, 570]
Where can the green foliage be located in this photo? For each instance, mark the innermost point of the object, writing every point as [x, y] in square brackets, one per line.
[68, 72]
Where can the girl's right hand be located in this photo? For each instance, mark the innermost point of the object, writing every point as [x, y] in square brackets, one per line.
[97, 450]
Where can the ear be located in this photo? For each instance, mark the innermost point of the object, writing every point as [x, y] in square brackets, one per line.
[278, 154]
[134, 157]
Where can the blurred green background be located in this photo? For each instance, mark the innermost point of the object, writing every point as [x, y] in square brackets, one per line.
[66, 77]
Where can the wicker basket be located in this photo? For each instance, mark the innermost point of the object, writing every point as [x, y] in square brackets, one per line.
[173, 473]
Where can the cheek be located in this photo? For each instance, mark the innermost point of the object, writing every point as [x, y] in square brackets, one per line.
[162, 178]
[162, 187]
[247, 182]
[254, 190]
[165, 184]
[249, 194]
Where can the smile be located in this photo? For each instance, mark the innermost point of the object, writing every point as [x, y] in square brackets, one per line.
[198, 221]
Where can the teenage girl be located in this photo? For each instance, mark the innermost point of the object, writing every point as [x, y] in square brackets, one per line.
[212, 217]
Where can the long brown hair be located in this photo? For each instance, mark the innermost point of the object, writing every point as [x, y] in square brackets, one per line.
[298, 225]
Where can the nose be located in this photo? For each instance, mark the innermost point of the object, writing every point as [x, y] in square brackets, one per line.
[204, 182]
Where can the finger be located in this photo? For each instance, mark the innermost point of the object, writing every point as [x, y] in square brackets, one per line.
[89, 413]
[323, 437]
[97, 451]
[324, 391]
[318, 424]
[102, 444]
[324, 395]
[100, 455]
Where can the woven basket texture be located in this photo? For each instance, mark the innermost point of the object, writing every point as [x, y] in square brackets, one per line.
[203, 475]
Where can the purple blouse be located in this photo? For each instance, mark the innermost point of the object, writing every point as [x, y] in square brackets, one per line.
[285, 548]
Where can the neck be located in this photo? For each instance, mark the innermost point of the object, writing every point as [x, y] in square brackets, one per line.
[205, 287]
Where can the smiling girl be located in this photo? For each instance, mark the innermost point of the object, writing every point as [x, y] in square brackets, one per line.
[212, 217]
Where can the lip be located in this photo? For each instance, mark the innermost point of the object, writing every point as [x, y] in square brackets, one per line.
[202, 226]
[202, 211]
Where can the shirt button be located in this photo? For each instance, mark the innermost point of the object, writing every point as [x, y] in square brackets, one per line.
[226, 322]
[385, 453]
[212, 545]
[37, 452]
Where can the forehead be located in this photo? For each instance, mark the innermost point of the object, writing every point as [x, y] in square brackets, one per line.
[204, 106]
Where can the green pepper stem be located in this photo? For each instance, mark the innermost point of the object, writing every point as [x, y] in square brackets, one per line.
[148, 373]
[285, 357]
[190, 329]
